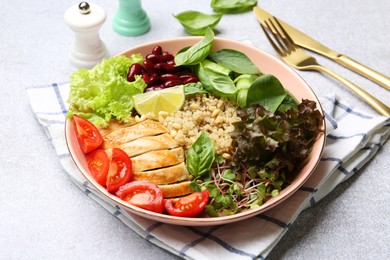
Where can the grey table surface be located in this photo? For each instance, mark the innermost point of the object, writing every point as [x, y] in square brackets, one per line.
[43, 215]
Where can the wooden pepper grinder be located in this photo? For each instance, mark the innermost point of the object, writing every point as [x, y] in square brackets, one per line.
[86, 20]
[131, 19]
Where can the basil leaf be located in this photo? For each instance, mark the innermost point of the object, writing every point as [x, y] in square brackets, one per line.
[216, 83]
[232, 6]
[215, 67]
[196, 23]
[200, 156]
[267, 91]
[235, 61]
[197, 52]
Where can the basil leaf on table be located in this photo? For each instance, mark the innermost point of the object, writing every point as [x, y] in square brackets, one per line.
[200, 156]
[196, 23]
[235, 61]
[197, 52]
[266, 91]
[216, 83]
[232, 6]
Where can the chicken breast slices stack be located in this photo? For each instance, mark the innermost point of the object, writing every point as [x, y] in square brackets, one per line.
[155, 155]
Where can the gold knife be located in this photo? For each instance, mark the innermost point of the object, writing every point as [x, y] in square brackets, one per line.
[305, 41]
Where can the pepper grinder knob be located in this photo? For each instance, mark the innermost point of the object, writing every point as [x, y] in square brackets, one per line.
[86, 20]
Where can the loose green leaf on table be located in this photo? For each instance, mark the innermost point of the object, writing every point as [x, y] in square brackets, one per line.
[232, 6]
[196, 23]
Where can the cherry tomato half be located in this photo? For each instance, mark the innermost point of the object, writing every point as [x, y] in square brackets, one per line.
[188, 206]
[120, 171]
[88, 135]
[98, 165]
[142, 194]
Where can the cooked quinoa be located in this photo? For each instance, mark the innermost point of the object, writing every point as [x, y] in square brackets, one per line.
[203, 113]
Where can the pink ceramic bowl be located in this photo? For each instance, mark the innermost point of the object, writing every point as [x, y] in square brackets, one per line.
[267, 64]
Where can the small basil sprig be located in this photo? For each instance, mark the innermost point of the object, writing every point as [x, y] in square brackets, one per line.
[235, 61]
[200, 156]
[196, 23]
[232, 6]
[197, 52]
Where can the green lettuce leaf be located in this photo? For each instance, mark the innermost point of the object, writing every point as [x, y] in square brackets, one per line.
[103, 93]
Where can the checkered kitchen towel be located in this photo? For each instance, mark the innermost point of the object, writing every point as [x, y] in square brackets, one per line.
[354, 141]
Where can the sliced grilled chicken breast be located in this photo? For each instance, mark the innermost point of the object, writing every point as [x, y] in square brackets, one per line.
[176, 189]
[123, 135]
[156, 157]
[114, 126]
[148, 143]
[171, 174]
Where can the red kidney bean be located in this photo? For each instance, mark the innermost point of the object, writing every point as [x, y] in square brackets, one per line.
[157, 50]
[166, 56]
[184, 76]
[190, 80]
[159, 71]
[154, 79]
[153, 58]
[172, 83]
[171, 62]
[148, 66]
[168, 76]
[163, 66]
[146, 78]
[135, 69]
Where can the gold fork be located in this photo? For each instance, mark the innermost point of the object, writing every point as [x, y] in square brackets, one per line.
[299, 59]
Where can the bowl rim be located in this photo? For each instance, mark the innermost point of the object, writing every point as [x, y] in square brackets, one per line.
[210, 221]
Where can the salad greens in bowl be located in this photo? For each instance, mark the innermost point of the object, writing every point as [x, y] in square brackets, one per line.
[269, 124]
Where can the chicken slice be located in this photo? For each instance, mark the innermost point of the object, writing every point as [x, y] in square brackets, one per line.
[176, 189]
[147, 144]
[113, 126]
[157, 159]
[166, 175]
[123, 135]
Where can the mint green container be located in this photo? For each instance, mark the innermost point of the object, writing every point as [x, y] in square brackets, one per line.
[131, 19]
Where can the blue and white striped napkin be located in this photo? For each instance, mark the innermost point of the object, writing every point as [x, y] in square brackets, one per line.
[354, 140]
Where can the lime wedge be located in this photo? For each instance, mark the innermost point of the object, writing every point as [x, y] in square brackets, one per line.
[169, 100]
